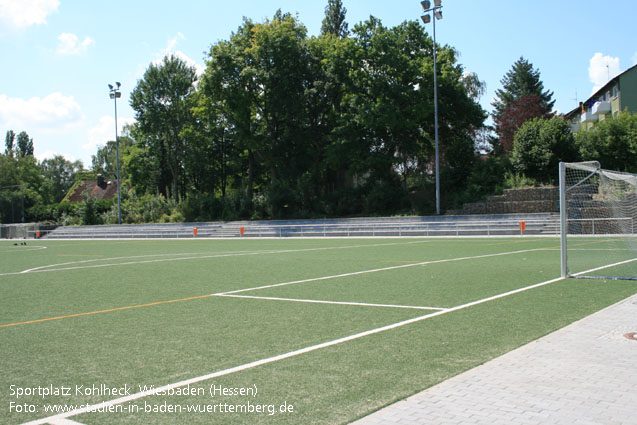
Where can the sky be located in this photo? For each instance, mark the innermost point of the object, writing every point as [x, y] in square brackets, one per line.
[57, 57]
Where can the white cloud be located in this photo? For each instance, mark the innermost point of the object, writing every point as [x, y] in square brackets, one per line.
[52, 153]
[52, 113]
[170, 50]
[172, 43]
[24, 13]
[70, 45]
[602, 69]
[104, 132]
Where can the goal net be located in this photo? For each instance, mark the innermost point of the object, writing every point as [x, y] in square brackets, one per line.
[19, 231]
[598, 212]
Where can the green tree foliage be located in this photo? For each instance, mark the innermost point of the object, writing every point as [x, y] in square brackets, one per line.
[9, 143]
[539, 145]
[281, 125]
[612, 142]
[104, 161]
[22, 188]
[161, 110]
[24, 144]
[521, 98]
[59, 173]
[334, 22]
[317, 124]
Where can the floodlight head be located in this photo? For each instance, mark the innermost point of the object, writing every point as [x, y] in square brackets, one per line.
[437, 3]
[110, 86]
[426, 19]
[425, 4]
[118, 84]
[438, 14]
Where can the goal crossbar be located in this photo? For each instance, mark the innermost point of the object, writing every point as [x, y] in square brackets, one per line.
[598, 215]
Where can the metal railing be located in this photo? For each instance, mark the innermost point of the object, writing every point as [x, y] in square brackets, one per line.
[605, 226]
[462, 226]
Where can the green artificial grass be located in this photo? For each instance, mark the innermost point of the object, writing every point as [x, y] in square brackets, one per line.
[136, 314]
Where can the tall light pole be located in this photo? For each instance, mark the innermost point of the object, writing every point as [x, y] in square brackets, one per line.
[437, 12]
[115, 93]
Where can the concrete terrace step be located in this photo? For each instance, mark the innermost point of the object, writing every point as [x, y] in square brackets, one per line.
[486, 225]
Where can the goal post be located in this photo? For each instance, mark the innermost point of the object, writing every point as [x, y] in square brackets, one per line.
[19, 231]
[598, 219]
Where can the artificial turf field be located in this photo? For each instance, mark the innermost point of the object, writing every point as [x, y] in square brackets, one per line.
[295, 331]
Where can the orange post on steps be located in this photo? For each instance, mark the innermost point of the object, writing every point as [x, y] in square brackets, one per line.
[522, 225]
[242, 230]
[194, 231]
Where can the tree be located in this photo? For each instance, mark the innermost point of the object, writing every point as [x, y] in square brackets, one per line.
[256, 84]
[60, 173]
[9, 142]
[25, 145]
[612, 142]
[522, 97]
[334, 22]
[105, 159]
[517, 112]
[539, 145]
[161, 111]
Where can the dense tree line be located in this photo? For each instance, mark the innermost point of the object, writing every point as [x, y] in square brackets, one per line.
[281, 124]
[31, 190]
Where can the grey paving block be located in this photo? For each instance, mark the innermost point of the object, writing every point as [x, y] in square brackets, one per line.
[582, 374]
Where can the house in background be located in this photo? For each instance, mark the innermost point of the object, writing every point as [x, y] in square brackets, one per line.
[94, 189]
[618, 95]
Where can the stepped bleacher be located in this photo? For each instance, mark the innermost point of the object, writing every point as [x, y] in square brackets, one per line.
[484, 225]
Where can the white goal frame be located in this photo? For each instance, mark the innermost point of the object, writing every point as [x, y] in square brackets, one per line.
[620, 223]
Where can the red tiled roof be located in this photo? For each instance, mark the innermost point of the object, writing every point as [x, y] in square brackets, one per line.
[109, 191]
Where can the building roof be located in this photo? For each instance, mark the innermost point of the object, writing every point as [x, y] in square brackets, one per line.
[594, 96]
[108, 190]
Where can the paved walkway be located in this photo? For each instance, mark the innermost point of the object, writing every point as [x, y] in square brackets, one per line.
[583, 374]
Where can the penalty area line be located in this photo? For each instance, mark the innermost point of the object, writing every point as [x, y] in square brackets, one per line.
[413, 307]
[251, 365]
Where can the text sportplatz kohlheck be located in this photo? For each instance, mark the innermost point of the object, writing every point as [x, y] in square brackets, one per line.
[22, 399]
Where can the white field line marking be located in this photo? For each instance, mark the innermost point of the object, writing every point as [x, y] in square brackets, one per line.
[22, 249]
[63, 421]
[605, 267]
[402, 266]
[126, 258]
[104, 405]
[333, 302]
[231, 254]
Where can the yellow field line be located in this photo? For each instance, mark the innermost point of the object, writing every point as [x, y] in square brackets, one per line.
[104, 311]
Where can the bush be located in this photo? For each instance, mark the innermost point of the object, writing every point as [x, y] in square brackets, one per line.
[140, 209]
[612, 142]
[539, 145]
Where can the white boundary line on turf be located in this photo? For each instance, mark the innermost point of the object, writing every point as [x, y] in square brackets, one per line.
[246, 366]
[64, 421]
[605, 267]
[23, 249]
[334, 302]
[402, 266]
[94, 260]
[104, 405]
[48, 269]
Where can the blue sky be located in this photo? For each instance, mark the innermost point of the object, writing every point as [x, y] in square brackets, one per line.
[58, 56]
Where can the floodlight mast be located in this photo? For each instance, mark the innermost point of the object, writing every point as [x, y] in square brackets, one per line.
[114, 94]
[437, 12]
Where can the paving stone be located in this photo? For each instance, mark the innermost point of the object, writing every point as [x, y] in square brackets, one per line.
[582, 374]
